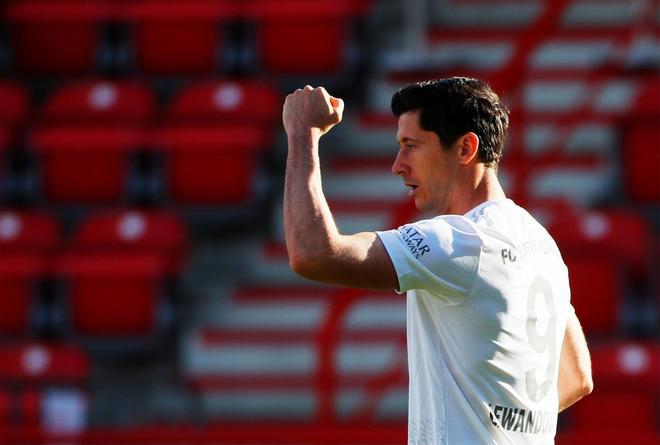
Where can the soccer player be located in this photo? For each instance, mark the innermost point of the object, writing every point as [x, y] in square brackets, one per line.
[495, 350]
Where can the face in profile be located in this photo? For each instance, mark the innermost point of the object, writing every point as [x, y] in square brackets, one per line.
[425, 166]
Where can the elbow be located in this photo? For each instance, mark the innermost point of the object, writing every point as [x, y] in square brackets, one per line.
[317, 262]
[298, 265]
[304, 265]
[585, 379]
[587, 385]
[583, 387]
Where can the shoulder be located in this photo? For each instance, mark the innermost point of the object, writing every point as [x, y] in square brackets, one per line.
[445, 224]
[452, 234]
[440, 255]
[506, 222]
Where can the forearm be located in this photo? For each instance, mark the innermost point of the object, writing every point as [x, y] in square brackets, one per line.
[309, 228]
[570, 391]
[316, 248]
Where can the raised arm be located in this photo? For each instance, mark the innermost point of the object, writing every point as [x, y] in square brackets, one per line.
[574, 365]
[316, 248]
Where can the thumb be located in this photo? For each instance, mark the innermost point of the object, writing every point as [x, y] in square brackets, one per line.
[337, 106]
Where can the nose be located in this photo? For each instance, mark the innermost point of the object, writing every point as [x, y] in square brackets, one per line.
[399, 167]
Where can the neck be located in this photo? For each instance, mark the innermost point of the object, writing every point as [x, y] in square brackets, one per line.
[481, 186]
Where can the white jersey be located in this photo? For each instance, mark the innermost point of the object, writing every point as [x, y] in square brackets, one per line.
[488, 299]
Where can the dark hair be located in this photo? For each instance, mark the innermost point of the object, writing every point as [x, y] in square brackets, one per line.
[454, 106]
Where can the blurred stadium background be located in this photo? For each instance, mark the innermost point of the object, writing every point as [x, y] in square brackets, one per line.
[145, 295]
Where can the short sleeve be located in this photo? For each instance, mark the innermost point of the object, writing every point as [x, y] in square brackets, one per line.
[571, 309]
[439, 255]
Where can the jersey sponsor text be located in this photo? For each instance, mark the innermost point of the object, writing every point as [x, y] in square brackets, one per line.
[414, 240]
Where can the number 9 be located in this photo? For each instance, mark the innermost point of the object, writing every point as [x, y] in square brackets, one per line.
[541, 342]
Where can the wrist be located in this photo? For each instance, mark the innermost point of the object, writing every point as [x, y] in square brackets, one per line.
[304, 138]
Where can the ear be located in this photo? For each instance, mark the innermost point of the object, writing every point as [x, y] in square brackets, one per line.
[468, 146]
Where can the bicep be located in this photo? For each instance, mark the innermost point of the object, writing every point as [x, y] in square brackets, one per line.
[574, 352]
[358, 260]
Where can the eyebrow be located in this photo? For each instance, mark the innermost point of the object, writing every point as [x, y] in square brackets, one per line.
[407, 139]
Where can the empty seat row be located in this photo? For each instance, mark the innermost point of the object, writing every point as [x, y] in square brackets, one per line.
[111, 275]
[131, 102]
[200, 164]
[627, 389]
[88, 134]
[63, 37]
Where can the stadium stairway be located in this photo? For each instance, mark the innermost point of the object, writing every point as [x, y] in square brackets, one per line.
[302, 354]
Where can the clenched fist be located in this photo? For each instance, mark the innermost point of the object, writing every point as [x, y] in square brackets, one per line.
[311, 109]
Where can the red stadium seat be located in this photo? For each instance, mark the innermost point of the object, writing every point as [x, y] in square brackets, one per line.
[135, 231]
[28, 231]
[608, 437]
[57, 37]
[295, 37]
[627, 389]
[42, 363]
[218, 125]
[100, 101]
[84, 164]
[112, 295]
[15, 102]
[29, 402]
[635, 364]
[18, 277]
[26, 239]
[621, 235]
[596, 300]
[178, 37]
[238, 101]
[632, 410]
[6, 410]
[14, 112]
[646, 106]
[212, 164]
[641, 159]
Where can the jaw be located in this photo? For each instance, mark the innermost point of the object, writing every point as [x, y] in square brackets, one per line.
[435, 205]
[424, 205]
